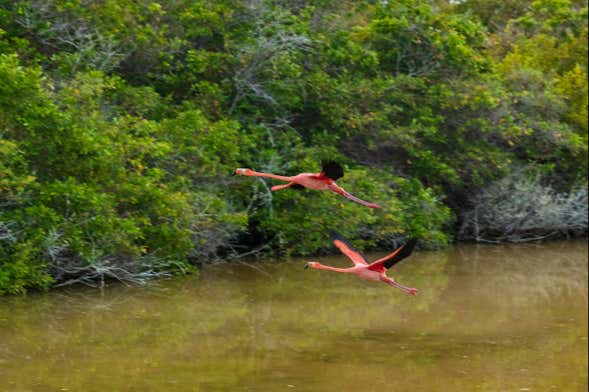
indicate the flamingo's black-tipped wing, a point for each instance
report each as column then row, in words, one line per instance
column 403, row 253
column 333, row 170
column 298, row 187
column 399, row 254
column 344, row 246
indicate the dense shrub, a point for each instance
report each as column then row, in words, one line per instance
column 520, row 208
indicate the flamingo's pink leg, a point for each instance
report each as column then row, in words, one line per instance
column 408, row 290
column 339, row 190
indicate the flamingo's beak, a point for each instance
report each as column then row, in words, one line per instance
column 306, row 266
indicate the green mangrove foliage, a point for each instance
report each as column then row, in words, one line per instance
column 121, row 122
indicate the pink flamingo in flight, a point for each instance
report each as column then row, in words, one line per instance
column 325, row 180
column 375, row 271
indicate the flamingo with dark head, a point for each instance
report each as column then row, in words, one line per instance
column 375, row 271
column 322, row 181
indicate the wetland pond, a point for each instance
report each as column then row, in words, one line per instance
column 487, row 318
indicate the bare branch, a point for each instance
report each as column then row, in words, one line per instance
column 520, row 209
column 87, row 45
column 270, row 41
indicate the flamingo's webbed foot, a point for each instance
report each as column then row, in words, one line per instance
column 243, row 172
column 412, row 291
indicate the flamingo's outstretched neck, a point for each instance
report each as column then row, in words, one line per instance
column 316, row 265
column 250, row 172
column 408, row 290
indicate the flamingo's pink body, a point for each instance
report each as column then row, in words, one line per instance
column 375, row 271
column 315, row 181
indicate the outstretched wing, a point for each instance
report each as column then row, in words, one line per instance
column 342, row 244
column 333, row 170
column 398, row 254
column 339, row 190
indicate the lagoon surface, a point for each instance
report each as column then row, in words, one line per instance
column 487, row 318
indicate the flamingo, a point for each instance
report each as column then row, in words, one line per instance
column 325, row 180
column 374, row 271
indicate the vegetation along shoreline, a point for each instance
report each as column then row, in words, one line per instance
column 122, row 122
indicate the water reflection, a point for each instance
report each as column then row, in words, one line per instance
column 487, row 318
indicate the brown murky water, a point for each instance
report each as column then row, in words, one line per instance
column 488, row 318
